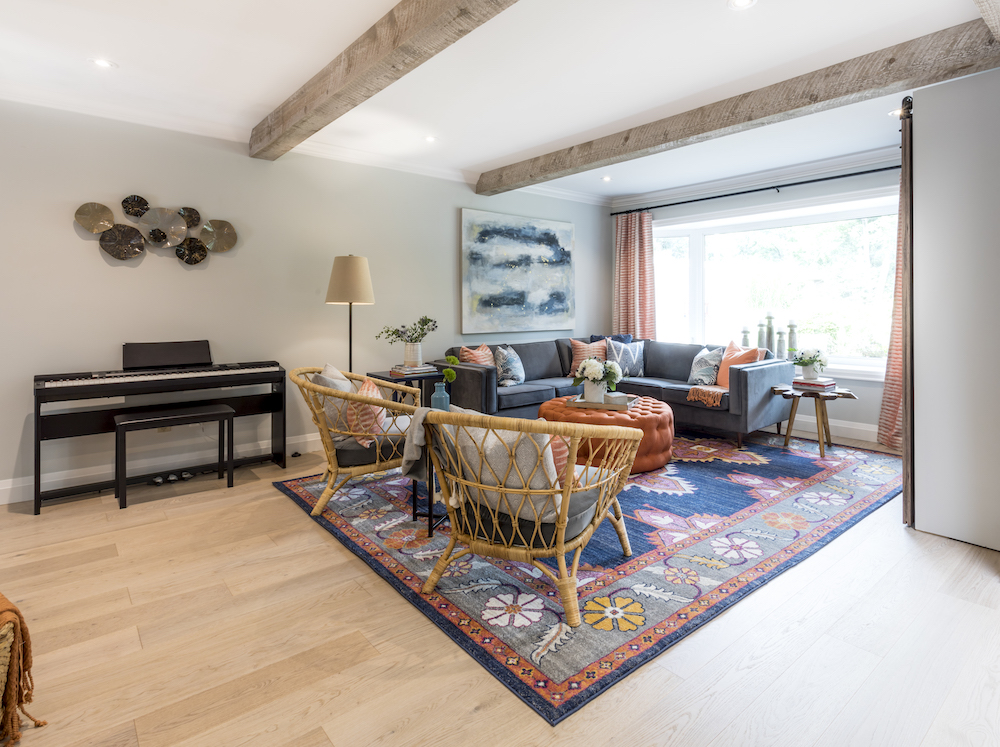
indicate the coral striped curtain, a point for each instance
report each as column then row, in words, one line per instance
column 891, row 428
column 634, row 294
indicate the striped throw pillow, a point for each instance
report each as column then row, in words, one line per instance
column 481, row 355
column 584, row 350
column 366, row 419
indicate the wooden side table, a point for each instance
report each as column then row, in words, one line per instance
column 420, row 381
column 820, row 398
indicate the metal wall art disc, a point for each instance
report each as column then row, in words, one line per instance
column 167, row 221
column 191, row 251
column 95, row 217
column 191, row 216
column 123, row 242
column 219, row 235
column 135, row 206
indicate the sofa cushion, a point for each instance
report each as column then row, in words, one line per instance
column 641, row 386
column 563, row 385
column 628, row 356
column 540, row 359
column 523, row 394
column 670, row 360
column 671, row 392
column 510, row 370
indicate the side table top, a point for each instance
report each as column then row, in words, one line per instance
column 389, row 376
column 788, row 392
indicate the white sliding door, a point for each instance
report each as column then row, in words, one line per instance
column 956, row 309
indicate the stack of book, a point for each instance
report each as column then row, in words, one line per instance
column 821, row 384
column 412, row 370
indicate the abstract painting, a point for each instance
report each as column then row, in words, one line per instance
column 517, row 273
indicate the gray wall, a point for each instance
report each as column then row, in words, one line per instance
column 67, row 306
column 956, row 265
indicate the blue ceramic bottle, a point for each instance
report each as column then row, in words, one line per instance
column 440, row 399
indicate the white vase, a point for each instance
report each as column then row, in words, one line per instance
column 412, row 355
column 809, row 372
column 594, row 391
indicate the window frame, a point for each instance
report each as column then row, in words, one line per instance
column 829, row 209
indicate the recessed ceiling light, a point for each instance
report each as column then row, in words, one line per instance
column 741, row 4
column 104, row 63
column 605, row 178
column 430, row 138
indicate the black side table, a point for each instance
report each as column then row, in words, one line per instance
column 425, row 381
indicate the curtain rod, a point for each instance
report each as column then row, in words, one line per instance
column 758, row 189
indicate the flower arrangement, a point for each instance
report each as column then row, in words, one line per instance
column 414, row 333
column 811, row 357
column 596, row 371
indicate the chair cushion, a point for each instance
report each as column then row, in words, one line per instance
column 481, row 355
column 582, row 506
column 523, row 394
column 352, row 454
column 364, row 418
column 584, row 350
column 510, row 371
column 628, row 355
column 515, row 460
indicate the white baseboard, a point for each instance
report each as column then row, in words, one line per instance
column 20, row 489
column 805, row 427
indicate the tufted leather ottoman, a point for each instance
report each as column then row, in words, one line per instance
column 655, row 418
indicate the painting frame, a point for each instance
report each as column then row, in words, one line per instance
column 518, row 273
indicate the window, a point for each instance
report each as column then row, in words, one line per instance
column 830, row 268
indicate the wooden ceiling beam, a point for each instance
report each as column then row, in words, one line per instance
column 951, row 53
column 990, row 11
column 404, row 38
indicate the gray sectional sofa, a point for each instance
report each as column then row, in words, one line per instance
column 748, row 406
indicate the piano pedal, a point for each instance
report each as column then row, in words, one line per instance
column 186, row 475
column 158, row 480
column 172, row 477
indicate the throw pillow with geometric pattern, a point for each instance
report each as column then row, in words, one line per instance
column 510, row 370
column 628, row 356
column 705, row 368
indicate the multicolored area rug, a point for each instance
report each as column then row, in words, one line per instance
column 706, row 530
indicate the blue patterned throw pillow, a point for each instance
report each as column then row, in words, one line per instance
column 616, row 338
column 705, row 369
column 627, row 355
column 510, row 370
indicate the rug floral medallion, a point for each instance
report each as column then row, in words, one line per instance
column 706, row 530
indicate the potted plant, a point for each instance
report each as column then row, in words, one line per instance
column 812, row 360
column 411, row 337
column 597, row 377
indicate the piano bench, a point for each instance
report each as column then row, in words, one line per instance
column 140, row 421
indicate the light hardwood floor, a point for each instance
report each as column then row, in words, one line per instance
column 202, row 615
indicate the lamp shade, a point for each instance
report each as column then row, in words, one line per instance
column 350, row 281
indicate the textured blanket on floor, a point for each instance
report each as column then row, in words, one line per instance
column 15, row 671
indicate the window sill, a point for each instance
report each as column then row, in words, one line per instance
column 840, row 371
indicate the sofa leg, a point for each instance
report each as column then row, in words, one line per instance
column 739, row 440
column 777, row 427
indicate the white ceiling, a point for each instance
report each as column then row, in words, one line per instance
column 543, row 75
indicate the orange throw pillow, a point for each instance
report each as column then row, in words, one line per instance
column 735, row 354
column 481, row 355
column 363, row 418
column 584, row 350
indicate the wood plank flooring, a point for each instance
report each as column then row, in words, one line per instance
column 202, row 615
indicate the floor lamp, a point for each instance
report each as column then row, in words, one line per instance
column 350, row 283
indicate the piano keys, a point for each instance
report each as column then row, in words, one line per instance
column 158, row 371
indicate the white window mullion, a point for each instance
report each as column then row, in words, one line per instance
column 696, row 287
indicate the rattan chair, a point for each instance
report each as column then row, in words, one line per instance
column 506, row 497
column 344, row 454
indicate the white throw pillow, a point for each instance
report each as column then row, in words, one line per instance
column 332, row 378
